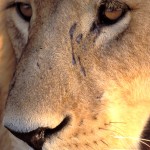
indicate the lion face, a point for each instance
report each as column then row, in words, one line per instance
column 82, row 80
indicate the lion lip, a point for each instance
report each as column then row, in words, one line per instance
column 37, row 138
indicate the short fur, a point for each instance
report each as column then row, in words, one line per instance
column 99, row 79
column 7, row 65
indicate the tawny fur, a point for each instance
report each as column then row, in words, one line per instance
column 106, row 92
column 7, row 65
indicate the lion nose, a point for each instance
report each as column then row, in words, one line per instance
column 37, row 138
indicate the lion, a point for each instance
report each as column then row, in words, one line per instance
column 83, row 74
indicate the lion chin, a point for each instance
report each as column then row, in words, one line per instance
column 75, row 75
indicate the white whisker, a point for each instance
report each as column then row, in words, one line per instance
column 129, row 137
column 143, row 141
column 145, row 144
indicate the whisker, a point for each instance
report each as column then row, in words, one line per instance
column 143, row 141
column 104, row 143
column 113, row 132
column 117, row 122
column 89, row 146
column 146, row 140
column 145, row 144
column 120, row 130
column 109, row 130
column 129, row 137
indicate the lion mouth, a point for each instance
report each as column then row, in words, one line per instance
column 37, row 138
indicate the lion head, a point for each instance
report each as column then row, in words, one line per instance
column 83, row 74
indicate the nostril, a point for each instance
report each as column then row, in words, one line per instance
column 37, row 138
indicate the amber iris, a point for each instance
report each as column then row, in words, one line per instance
column 113, row 15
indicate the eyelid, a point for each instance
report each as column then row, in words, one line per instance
column 10, row 5
column 13, row 4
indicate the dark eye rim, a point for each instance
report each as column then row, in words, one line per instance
column 26, row 18
column 102, row 19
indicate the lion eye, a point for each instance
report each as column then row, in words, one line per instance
column 24, row 10
column 111, row 11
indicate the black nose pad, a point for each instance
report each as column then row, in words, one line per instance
column 37, row 138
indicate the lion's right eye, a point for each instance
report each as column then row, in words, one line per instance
column 24, row 10
column 111, row 11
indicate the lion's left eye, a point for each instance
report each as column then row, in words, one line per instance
column 111, row 11
column 24, row 10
